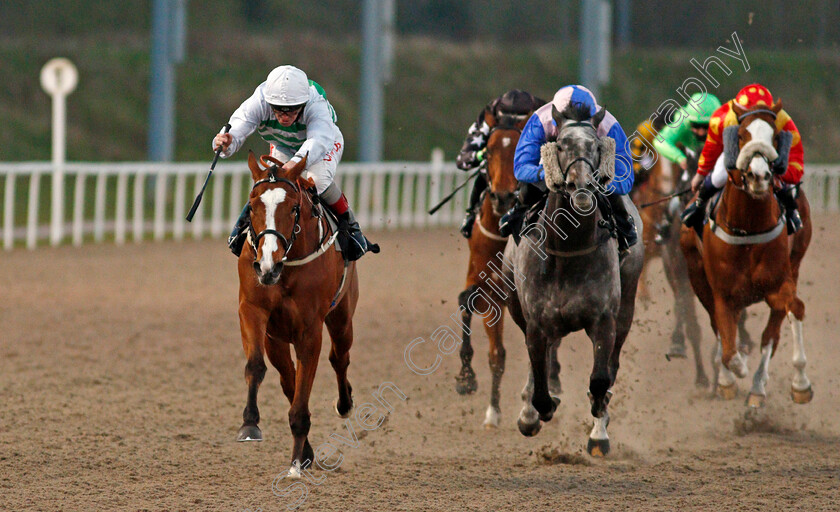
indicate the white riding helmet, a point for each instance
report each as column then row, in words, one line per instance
column 286, row 86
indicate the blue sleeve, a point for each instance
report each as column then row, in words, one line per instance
column 526, row 160
column 623, row 181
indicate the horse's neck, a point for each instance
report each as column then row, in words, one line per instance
column 567, row 229
column 488, row 216
column 741, row 211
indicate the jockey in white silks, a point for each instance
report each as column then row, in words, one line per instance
column 292, row 113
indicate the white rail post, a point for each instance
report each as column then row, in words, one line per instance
column 58, row 78
column 434, row 186
column 9, row 212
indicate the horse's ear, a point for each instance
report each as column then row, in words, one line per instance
column 777, row 107
column 489, row 118
column 256, row 172
column 738, row 109
column 558, row 116
column 598, row 117
column 295, row 172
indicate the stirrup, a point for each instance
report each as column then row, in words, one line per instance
column 467, row 225
column 793, row 221
column 237, row 242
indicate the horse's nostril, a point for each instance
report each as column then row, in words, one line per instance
column 256, row 267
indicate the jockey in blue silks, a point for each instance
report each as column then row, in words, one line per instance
column 528, row 169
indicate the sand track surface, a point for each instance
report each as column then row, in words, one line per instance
column 121, row 376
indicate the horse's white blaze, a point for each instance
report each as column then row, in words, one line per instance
column 599, row 429
column 270, row 198
column 762, row 373
column 800, row 380
column 492, row 416
column 505, row 142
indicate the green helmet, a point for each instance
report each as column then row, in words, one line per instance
column 707, row 103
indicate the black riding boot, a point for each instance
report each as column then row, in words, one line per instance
column 353, row 243
column 624, row 223
column 237, row 237
column 479, row 186
column 511, row 222
column 695, row 212
column 788, row 202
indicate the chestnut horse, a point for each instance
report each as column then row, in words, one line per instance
column 484, row 282
column 745, row 257
column 291, row 282
column 665, row 179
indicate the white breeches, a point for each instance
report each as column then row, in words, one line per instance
column 719, row 175
column 321, row 172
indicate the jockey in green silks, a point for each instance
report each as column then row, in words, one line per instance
column 691, row 133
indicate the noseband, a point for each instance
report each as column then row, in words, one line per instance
column 287, row 243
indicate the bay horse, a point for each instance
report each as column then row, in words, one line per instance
column 744, row 257
column 292, row 281
column 484, row 282
column 574, row 280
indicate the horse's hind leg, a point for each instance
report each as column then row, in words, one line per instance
column 280, row 355
column 554, row 387
column 494, row 328
column 252, row 324
column 465, row 383
column 340, row 328
column 769, row 341
column 800, row 390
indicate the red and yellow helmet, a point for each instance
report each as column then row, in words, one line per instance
column 753, row 96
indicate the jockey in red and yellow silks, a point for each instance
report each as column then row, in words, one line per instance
column 711, row 173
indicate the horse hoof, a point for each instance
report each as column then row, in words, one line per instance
column 598, row 447
column 755, row 401
column 465, row 384
column 677, row 351
column 345, row 414
column 249, row 433
column 491, row 418
column 528, row 429
column 727, row 392
column 294, row 471
column 802, row 397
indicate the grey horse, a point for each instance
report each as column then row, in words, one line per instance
column 568, row 273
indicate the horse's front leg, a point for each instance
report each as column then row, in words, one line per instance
column 726, row 320
column 465, row 383
column 307, row 348
column 554, row 386
column 603, row 336
column 541, row 406
column 252, row 324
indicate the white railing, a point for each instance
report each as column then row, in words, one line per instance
column 141, row 201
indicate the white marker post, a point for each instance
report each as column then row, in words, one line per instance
column 58, row 79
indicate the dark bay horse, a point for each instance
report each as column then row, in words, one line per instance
column 568, row 273
column 292, row 281
column 485, row 289
column 745, row 257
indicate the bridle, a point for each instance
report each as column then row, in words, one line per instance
column 286, row 242
column 565, row 172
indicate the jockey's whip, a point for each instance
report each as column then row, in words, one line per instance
column 666, row 198
column 451, row 195
column 206, row 180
